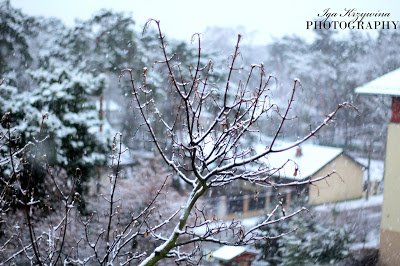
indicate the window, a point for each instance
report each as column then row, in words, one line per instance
column 235, row 205
column 256, row 203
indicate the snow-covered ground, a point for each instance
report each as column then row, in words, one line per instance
column 361, row 216
column 362, row 203
column 371, row 241
column 373, row 201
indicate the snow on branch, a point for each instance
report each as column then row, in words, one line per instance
column 210, row 147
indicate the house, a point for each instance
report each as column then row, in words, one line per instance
column 389, row 244
column 373, row 177
column 302, row 163
column 231, row 255
column 310, row 161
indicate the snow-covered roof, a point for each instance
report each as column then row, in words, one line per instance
column 388, row 84
column 377, row 169
column 227, row 253
column 312, row 159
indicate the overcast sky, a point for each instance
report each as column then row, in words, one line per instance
column 262, row 19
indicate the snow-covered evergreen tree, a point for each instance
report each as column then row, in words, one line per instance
column 59, row 117
column 15, row 29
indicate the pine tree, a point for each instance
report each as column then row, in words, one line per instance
column 59, row 118
column 15, row 28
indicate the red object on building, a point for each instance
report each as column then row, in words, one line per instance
column 395, row 110
column 244, row 259
column 299, row 152
column 233, row 255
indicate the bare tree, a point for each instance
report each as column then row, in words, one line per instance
column 210, row 147
column 204, row 141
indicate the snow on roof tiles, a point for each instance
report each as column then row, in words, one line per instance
column 376, row 171
column 388, row 84
column 226, row 253
column 313, row 158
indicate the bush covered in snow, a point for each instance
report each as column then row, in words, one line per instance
column 309, row 241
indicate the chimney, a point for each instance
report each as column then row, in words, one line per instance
column 299, row 151
column 395, row 110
